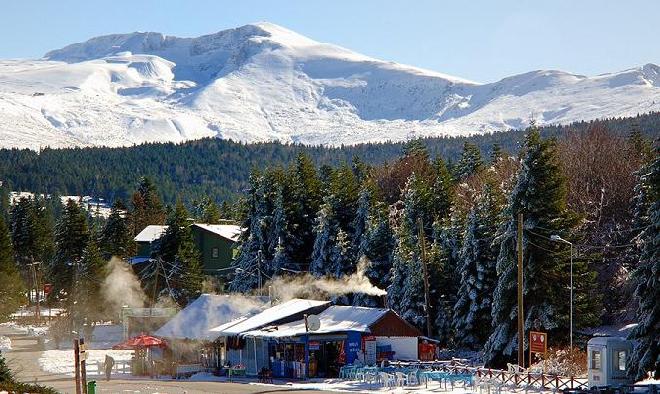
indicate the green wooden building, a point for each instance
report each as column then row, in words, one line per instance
column 216, row 243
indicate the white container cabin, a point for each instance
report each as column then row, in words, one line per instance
column 607, row 358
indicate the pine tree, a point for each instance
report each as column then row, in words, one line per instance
column 359, row 224
column 188, row 276
column 280, row 239
column 406, row 293
column 87, row 293
column 646, row 275
column 478, row 258
column 44, row 229
column 5, row 205
column 12, row 289
column 326, row 233
column 71, row 237
column 496, row 153
column 376, row 246
column 115, row 237
column 470, row 162
column 5, row 373
column 302, row 205
column 443, row 190
column 250, row 257
column 442, row 288
column 540, row 195
column 210, row 212
column 147, row 206
column 23, row 231
column 180, row 257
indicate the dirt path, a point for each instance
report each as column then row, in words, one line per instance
column 23, row 359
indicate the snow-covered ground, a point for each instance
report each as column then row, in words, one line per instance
column 5, row 343
column 61, row 361
column 263, row 82
column 338, row 385
column 31, row 330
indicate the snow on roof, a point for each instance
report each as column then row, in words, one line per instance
column 138, row 260
column 621, row 330
column 150, row 233
column 208, row 311
column 228, row 231
column 270, row 315
column 333, row 319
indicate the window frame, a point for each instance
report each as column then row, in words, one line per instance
column 592, row 360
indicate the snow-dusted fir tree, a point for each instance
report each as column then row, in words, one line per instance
column 478, row 258
column 375, row 250
column 540, row 195
column 280, row 239
column 470, row 162
column 180, row 261
column 250, row 253
column 326, row 233
column 406, row 291
column 303, row 202
column 12, row 288
column 360, row 223
column 115, row 239
column 442, row 288
column 646, row 276
column 71, row 236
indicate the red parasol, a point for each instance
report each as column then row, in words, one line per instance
column 140, row 342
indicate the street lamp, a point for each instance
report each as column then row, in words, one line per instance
column 557, row 238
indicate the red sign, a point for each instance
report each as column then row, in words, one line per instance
column 48, row 288
column 538, row 342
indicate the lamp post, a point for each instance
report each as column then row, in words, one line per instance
column 557, row 238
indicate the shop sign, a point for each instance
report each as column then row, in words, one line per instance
column 370, row 352
column 314, row 345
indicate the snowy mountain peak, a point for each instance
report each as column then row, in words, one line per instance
column 263, row 82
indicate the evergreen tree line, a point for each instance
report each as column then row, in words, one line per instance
column 457, row 222
column 220, row 169
column 43, row 240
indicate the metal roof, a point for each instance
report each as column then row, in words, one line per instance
column 268, row 316
column 333, row 319
column 150, row 233
column 228, row 231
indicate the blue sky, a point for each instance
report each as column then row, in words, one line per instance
column 479, row 40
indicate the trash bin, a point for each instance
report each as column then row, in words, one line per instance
column 91, row 387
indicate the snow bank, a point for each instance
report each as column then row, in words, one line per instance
column 337, row 385
column 62, row 362
column 5, row 344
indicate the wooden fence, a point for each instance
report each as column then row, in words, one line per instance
column 501, row 379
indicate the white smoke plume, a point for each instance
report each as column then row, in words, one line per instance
column 308, row 286
column 121, row 286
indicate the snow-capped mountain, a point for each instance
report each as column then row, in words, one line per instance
column 263, row 82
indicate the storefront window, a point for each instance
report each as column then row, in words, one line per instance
column 595, row 359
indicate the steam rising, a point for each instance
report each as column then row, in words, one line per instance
column 121, row 286
column 311, row 287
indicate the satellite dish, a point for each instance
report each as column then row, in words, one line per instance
column 313, row 323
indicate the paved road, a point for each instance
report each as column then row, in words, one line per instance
column 25, row 353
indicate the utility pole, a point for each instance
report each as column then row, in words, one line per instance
column 521, row 328
column 422, row 246
column 76, row 361
column 83, row 365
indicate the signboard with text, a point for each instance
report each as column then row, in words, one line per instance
column 538, row 342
